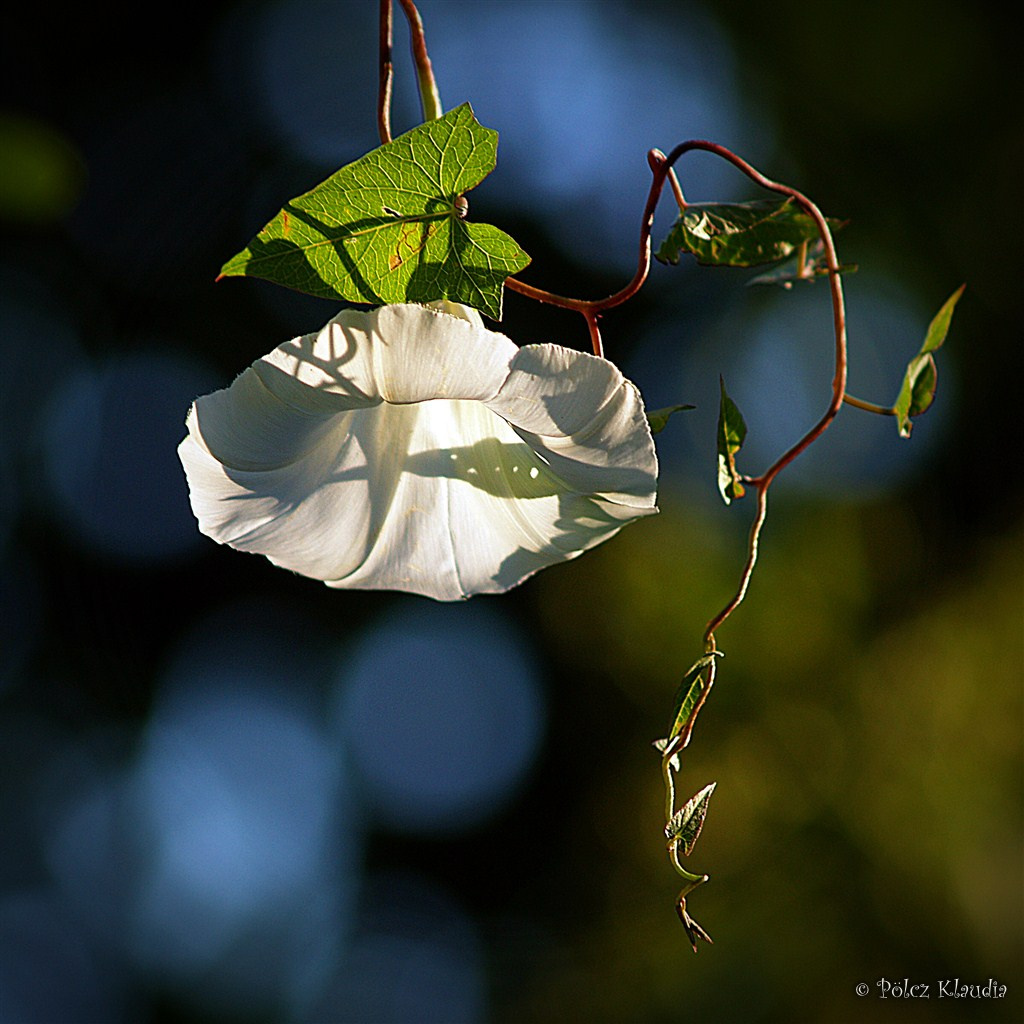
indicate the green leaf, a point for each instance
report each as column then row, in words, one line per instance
column 390, row 227
column 738, row 234
column 917, row 391
column 687, row 822
column 660, row 417
column 807, row 266
column 688, row 695
column 732, row 432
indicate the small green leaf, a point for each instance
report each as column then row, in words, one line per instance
column 939, row 327
column 390, row 227
column 688, row 695
column 738, row 234
column 687, row 822
column 917, row 391
column 732, row 432
column 660, row 417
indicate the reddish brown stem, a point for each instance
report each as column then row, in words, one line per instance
column 835, row 285
column 763, row 482
column 677, row 190
column 748, row 571
column 662, row 170
column 591, row 308
column 385, row 72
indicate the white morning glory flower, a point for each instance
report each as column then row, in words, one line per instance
column 409, row 448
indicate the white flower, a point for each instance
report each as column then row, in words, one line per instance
column 412, row 449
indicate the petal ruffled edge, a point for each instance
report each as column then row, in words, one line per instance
column 576, row 412
column 585, row 419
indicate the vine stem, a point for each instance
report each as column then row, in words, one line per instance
column 741, row 592
column 859, row 403
column 835, row 287
column 592, row 308
column 662, row 170
column 386, row 73
column 670, row 785
column 763, row 482
column 429, row 96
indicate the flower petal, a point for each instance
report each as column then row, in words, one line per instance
column 585, row 419
column 376, row 454
column 397, row 354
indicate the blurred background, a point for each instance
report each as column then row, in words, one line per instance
column 231, row 795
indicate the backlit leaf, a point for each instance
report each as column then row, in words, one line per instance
column 732, row 431
column 738, row 234
column 917, row 391
column 660, row 417
column 688, row 695
column 807, row 265
column 687, row 822
column 390, row 227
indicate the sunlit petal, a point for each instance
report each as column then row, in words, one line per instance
column 411, row 449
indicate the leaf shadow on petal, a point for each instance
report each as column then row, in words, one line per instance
column 502, row 469
column 331, row 432
column 611, row 467
column 302, row 350
column 517, row 472
column 288, row 411
column 340, row 450
column 581, row 524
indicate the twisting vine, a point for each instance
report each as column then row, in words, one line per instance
column 815, row 254
column 369, row 251
column 662, row 170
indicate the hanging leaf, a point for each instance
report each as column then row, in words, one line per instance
column 688, row 695
column 390, row 227
column 806, row 265
column 732, row 431
column 687, row 822
column 660, row 417
column 921, row 378
column 738, row 234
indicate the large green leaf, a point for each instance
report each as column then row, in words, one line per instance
column 732, row 431
column 738, row 234
column 917, row 391
column 390, row 227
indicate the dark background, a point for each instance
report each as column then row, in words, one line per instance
column 232, row 794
